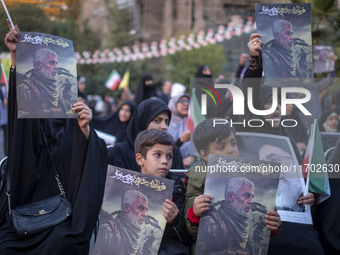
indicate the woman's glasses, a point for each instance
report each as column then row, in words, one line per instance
column 183, row 101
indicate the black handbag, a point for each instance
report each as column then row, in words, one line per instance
column 31, row 219
column 36, row 217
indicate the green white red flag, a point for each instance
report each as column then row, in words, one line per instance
column 3, row 76
column 315, row 167
column 113, row 80
column 195, row 116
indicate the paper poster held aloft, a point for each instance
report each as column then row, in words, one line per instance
column 46, row 76
column 287, row 44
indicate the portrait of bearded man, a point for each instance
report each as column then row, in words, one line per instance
column 285, row 56
column 45, row 90
column 229, row 220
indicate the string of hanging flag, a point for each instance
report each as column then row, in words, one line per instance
column 164, row 47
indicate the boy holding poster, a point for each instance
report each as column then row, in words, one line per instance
column 154, row 151
column 210, row 139
column 241, row 200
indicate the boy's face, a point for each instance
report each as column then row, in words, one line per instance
column 227, row 147
column 158, row 160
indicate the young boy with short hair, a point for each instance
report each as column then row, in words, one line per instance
column 211, row 139
column 154, row 151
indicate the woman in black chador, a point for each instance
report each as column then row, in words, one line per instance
column 79, row 158
column 116, row 123
column 146, row 88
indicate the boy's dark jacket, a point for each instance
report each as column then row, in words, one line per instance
column 177, row 229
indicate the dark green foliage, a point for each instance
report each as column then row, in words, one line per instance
column 31, row 18
column 119, row 27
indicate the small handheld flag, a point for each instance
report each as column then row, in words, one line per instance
column 125, row 81
column 317, row 180
column 113, row 80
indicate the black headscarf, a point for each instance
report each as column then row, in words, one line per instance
column 144, row 114
column 199, row 73
column 324, row 117
column 112, row 125
column 123, row 154
column 145, row 91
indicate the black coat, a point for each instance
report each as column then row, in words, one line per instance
column 177, row 230
column 112, row 125
column 326, row 214
column 144, row 91
column 81, row 165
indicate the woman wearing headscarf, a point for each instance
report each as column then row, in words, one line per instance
column 329, row 121
column 150, row 114
column 179, row 107
column 116, row 123
column 79, row 159
column 145, row 89
column 203, row 71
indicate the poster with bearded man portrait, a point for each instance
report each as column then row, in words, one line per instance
column 243, row 191
column 292, row 186
column 46, row 76
column 286, row 51
column 131, row 220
